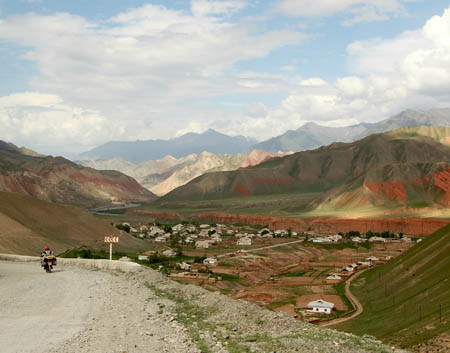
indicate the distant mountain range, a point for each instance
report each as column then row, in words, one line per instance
column 141, row 151
column 306, row 137
column 396, row 168
column 59, row 180
column 311, row 135
column 164, row 175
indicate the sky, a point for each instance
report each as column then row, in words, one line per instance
column 77, row 74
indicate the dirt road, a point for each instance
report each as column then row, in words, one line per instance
column 74, row 310
column 266, row 247
column 355, row 302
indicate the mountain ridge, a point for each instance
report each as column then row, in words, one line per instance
column 178, row 147
column 379, row 169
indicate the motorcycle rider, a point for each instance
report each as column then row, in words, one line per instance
column 46, row 252
column 48, row 261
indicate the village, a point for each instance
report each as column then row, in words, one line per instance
column 301, row 274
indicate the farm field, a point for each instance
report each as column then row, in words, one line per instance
column 286, row 278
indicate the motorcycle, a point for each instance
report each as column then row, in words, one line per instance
column 47, row 262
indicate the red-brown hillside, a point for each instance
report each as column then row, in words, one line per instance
column 395, row 168
column 59, row 180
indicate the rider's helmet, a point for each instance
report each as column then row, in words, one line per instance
column 47, row 248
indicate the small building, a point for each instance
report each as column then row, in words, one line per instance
column 334, row 277
column 210, row 261
column 244, row 241
column 377, row 239
column 203, row 244
column 160, row 239
column 321, row 240
column 143, row 257
column 320, row 306
column 178, row 227
column 204, row 226
column 184, row 266
column 169, row 253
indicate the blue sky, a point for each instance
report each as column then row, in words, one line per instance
column 76, row 74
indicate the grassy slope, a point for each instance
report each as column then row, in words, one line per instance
column 393, row 293
column 28, row 224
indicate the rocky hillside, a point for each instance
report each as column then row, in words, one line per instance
column 27, row 225
column 141, row 151
column 164, row 175
column 311, row 135
column 381, row 169
column 59, row 180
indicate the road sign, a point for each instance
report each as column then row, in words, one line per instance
column 111, row 239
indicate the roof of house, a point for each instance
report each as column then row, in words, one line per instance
column 320, row 304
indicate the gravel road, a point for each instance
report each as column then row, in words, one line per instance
column 76, row 310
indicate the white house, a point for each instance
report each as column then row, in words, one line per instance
column 204, row 233
column 210, row 261
column 184, row 266
column 321, row 240
column 372, row 258
column 154, row 230
column 160, row 239
column 169, row 253
column 178, row 227
column 204, row 226
column 335, row 238
column 320, row 306
column 334, row 277
column 244, row 241
column 374, row 239
column 204, row 244
column 143, row 257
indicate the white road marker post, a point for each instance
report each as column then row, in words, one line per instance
column 111, row 239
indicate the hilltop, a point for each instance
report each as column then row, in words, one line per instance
column 27, row 225
column 403, row 298
column 59, row 180
column 384, row 170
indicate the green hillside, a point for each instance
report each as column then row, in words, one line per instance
column 402, row 299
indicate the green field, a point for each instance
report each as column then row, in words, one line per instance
column 407, row 301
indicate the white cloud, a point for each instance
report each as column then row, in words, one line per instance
column 146, row 68
column 313, row 81
column 43, row 120
column 208, row 7
column 361, row 10
column 409, row 71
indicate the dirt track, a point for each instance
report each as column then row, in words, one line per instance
column 74, row 310
column 354, row 301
